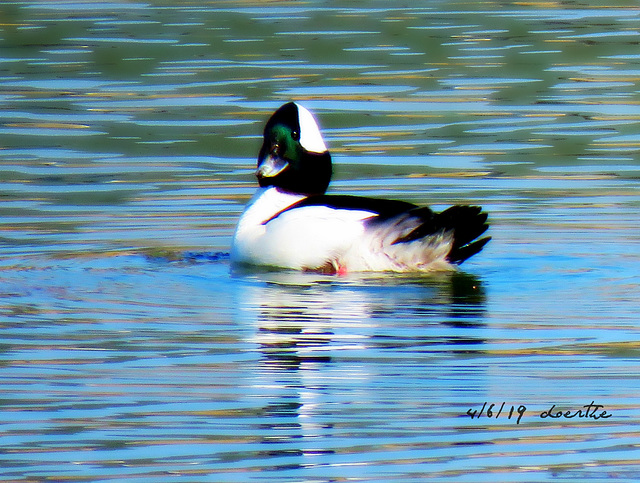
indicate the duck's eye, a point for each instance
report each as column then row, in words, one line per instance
column 295, row 135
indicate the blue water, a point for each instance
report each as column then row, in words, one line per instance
column 130, row 351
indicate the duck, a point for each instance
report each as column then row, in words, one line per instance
column 292, row 223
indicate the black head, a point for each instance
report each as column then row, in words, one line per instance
column 293, row 155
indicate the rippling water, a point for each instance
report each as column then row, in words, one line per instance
column 130, row 352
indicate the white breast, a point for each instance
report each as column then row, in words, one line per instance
column 302, row 238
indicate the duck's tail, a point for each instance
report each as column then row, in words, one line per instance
column 467, row 223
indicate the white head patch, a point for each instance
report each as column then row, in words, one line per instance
column 310, row 137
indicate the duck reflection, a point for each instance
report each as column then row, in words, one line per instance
column 327, row 345
column 308, row 318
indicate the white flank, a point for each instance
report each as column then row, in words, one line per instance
column 376, row 252
column 310, row 137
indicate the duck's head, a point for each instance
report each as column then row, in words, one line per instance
column 293, row 156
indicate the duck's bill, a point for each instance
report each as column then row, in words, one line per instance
column 271, row 166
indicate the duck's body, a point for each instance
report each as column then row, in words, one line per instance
column 290, row 222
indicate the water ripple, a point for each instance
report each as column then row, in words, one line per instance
column 131, row 351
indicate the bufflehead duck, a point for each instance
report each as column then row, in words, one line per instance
column 291, row 223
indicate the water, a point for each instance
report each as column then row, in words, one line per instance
column 130, row 352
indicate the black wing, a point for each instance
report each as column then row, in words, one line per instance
column 385, row 209
column 466, row 223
